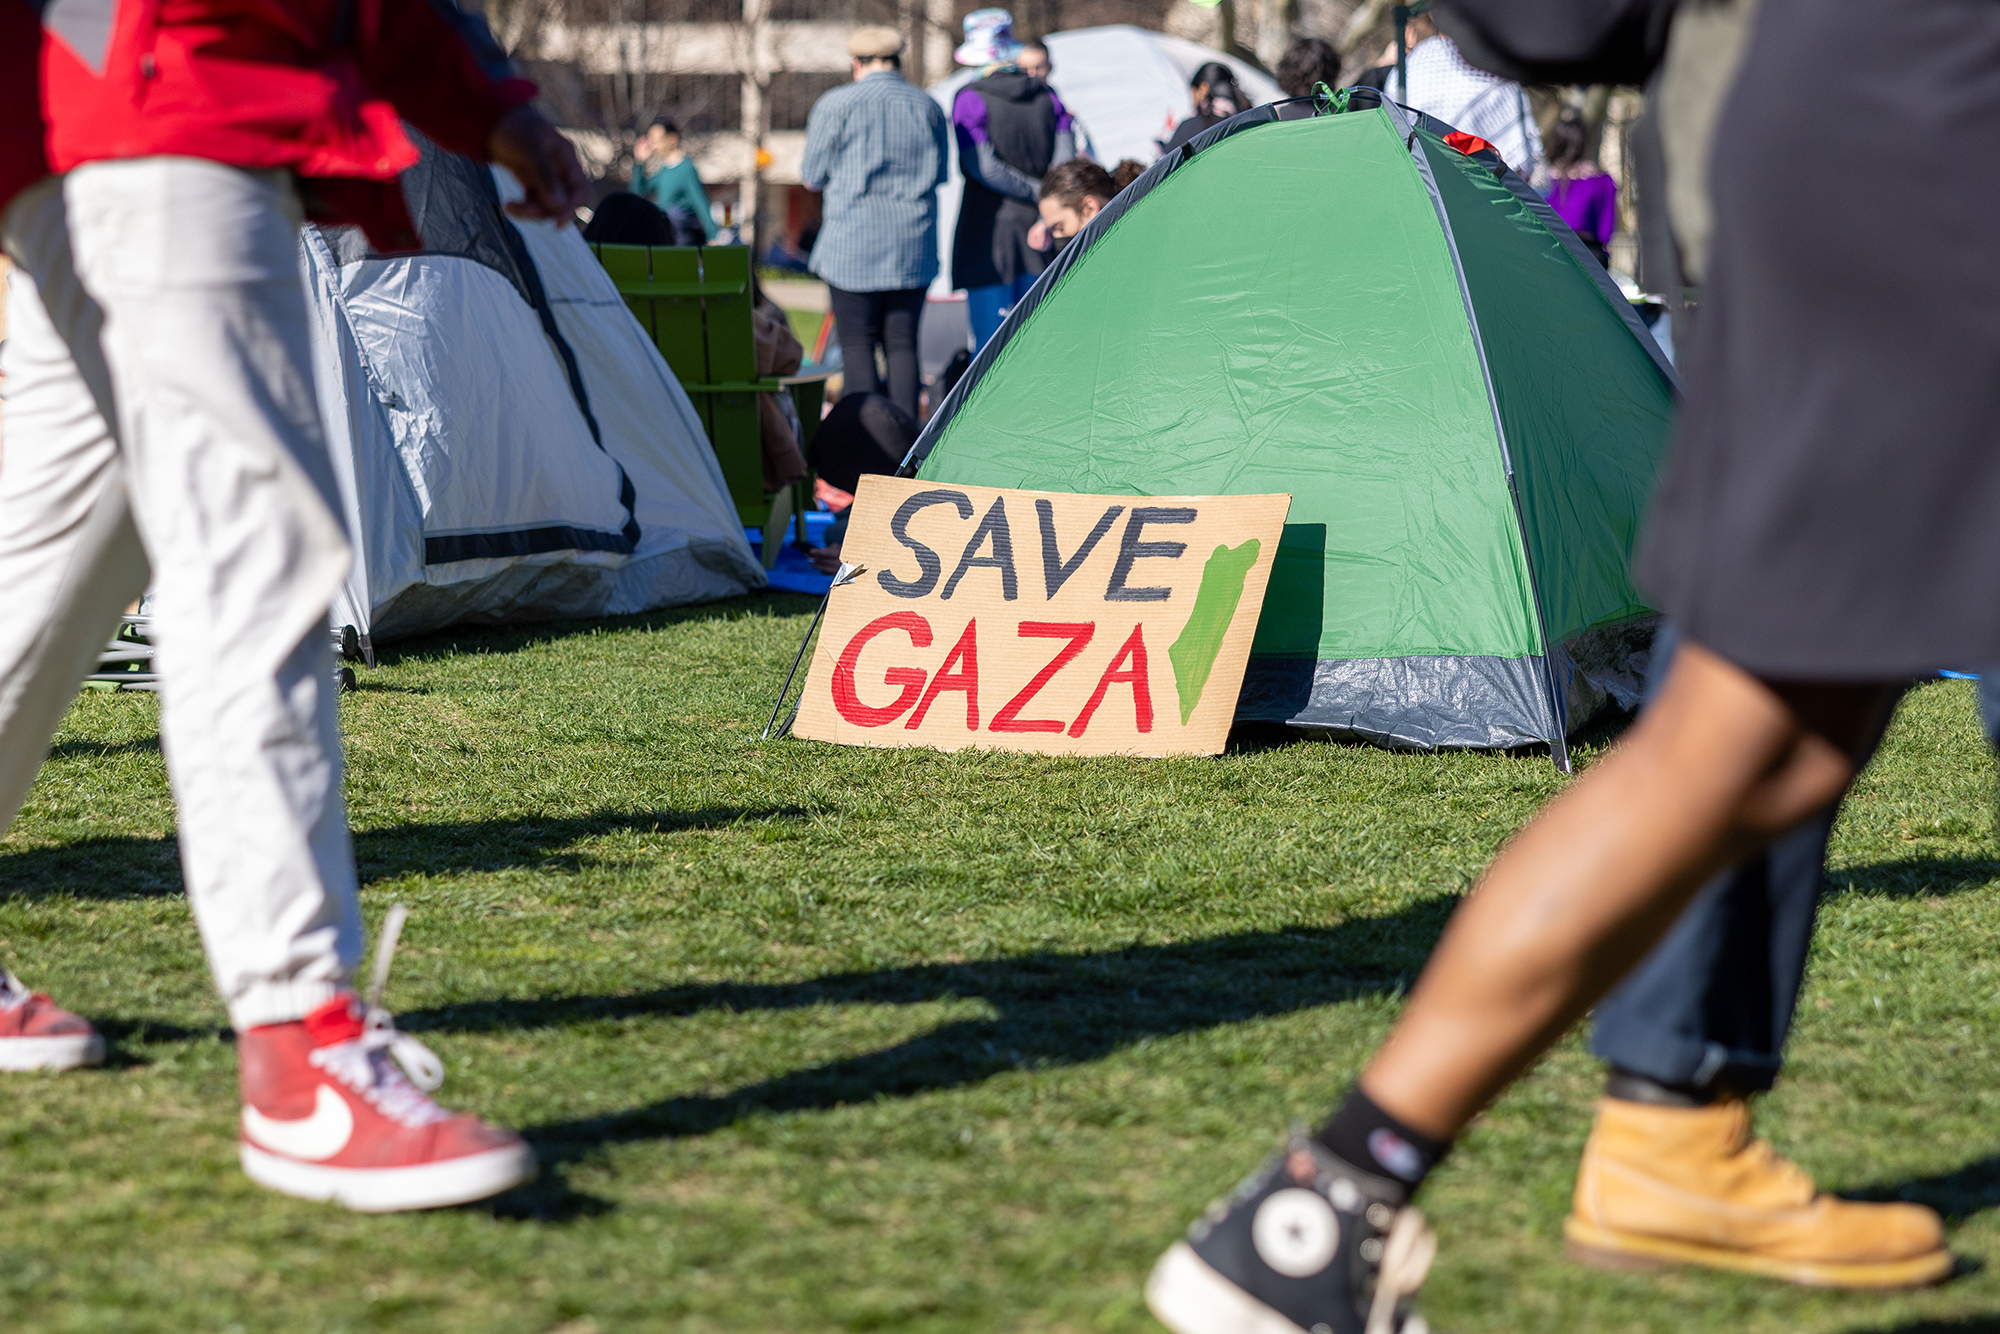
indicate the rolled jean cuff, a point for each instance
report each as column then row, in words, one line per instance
column 1679, row 1061
column 281, row 1002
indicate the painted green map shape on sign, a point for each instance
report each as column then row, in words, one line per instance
column 1193, row 654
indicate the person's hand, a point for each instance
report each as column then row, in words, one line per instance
column 1038, row 236
column 825, row 559
column 544, row 162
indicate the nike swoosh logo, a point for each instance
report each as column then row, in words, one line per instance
column 311, row 1139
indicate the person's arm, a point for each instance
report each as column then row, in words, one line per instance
column 976, row 157
column 1605, row 219
column 693, row 196
column 941, row 141
column 822, row 135
column 1065, row 148
column 443, row 71
column 446, row 75
column 984, row 165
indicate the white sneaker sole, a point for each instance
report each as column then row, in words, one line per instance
column 383, row 1190
column 1189, row 1297
column 68, row 1053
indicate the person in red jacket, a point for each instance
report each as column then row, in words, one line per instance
column 162, row 430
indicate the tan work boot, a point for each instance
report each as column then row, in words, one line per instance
column 1687, row 1185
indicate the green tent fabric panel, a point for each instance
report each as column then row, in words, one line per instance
column 1280, row 314
column 1586, row 413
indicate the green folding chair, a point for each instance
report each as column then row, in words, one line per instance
column 694, row 303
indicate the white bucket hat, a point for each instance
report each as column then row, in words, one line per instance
column 989, row 38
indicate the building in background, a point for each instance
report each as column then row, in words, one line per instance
column 740, row 76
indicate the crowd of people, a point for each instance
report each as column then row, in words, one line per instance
column 1819, row 539
column 878, row 150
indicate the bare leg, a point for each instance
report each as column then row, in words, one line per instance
column 1721, row 764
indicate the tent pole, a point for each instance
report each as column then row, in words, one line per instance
column 1401, row 14
column 846, row 574
column 1559, row 738
column 786, row 689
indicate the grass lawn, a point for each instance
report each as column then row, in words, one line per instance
column 816, row 1038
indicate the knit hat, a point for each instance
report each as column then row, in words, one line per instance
column 989, row 38
column 875, row 43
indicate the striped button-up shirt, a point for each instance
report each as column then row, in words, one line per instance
column 1444, row 84
column 877, row 148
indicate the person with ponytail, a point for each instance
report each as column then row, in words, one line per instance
column 1216, row 98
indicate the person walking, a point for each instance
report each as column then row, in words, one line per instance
column 1011, row 128
column 1671, row 1171
column 665, row 174
column 1819, row 537
column 162, row 426
column 877, row 150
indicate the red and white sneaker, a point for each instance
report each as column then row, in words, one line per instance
column 327, row 1115
column 37, row 1034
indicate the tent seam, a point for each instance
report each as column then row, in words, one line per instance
column 1559, row 742
column 1537, row 206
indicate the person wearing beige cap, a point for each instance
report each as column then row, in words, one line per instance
column 875, row 43
column 876, row 149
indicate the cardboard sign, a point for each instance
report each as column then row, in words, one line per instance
column 1034, row 620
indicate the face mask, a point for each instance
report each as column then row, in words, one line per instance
column 1035, row 85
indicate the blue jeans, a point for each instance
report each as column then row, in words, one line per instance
column 987, row 307
column 1712, row 1004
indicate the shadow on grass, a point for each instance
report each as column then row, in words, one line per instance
column 1915, row 877
column 132, row 868
column 1957, row 1195
column 466, row 640
column 120, row 1035
column 1972, row 1324
column 538, row 843
column 69, row 750
column 1053, row 1010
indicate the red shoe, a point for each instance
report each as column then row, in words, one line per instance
column 328, row 1116
column 36, row 1034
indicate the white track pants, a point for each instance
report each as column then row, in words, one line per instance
column 160, row 415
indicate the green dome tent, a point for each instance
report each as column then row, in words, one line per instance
column 1466, row 411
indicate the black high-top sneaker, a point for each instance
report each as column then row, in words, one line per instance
column 1309, row 1245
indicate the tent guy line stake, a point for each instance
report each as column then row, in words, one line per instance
column 845, row 575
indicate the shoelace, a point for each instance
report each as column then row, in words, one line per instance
column 13, row 991
column 1406, row 1262
column 1776, row 1164
column 363, row 1064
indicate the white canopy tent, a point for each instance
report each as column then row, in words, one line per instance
column 1127, row 88
column 509, row 443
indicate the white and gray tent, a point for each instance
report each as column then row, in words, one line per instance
column 509, row 443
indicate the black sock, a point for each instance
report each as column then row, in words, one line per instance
column 1626, row 1086
column 1374, row 1141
